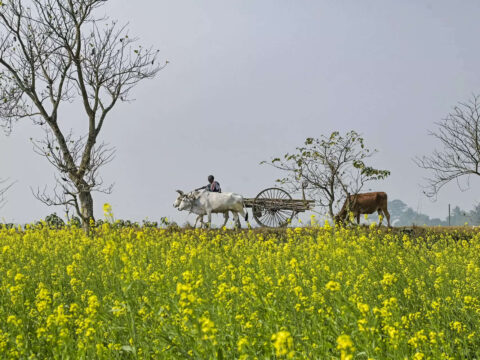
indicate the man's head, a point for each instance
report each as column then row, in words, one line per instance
column 210, row 178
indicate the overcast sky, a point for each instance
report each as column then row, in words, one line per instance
column 248, row 80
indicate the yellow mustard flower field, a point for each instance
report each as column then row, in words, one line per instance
column 303, row 293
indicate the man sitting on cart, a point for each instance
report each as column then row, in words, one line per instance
column 213, row 185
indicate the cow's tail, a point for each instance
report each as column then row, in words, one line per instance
column 245, row 209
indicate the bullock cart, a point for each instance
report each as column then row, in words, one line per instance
column 274, row 207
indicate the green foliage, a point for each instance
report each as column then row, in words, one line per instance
column 149, row 224
column 54, row 221
column 76, row 222
column 370, row 172
column 333, row 150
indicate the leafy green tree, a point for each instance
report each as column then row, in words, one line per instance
column 328, row 168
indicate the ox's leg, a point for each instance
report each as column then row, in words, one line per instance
column 209, row 224
column 225, row 216
column 358, row 218
column 236, row 219
column 387, row 214
column 380, row 215
column 199, row 217
column 204, row 224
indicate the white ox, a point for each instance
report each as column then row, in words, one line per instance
column 205, row 203
column 199, row 212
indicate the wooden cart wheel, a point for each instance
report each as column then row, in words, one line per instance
column 268, row 208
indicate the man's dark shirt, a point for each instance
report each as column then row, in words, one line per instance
column 214, row 187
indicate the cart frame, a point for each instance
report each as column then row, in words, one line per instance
column 274, row 207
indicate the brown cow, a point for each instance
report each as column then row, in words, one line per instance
column 366, row 203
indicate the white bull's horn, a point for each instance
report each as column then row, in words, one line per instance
column 179, row 191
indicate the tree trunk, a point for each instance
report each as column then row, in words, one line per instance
column 330, row 211
column 86, row 208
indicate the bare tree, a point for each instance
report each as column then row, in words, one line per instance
column 64, row 192
column 459, row 157
column 328, row 168
column 5, row 185
column 55, row 52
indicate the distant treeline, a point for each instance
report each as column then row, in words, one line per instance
column 402, row 215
